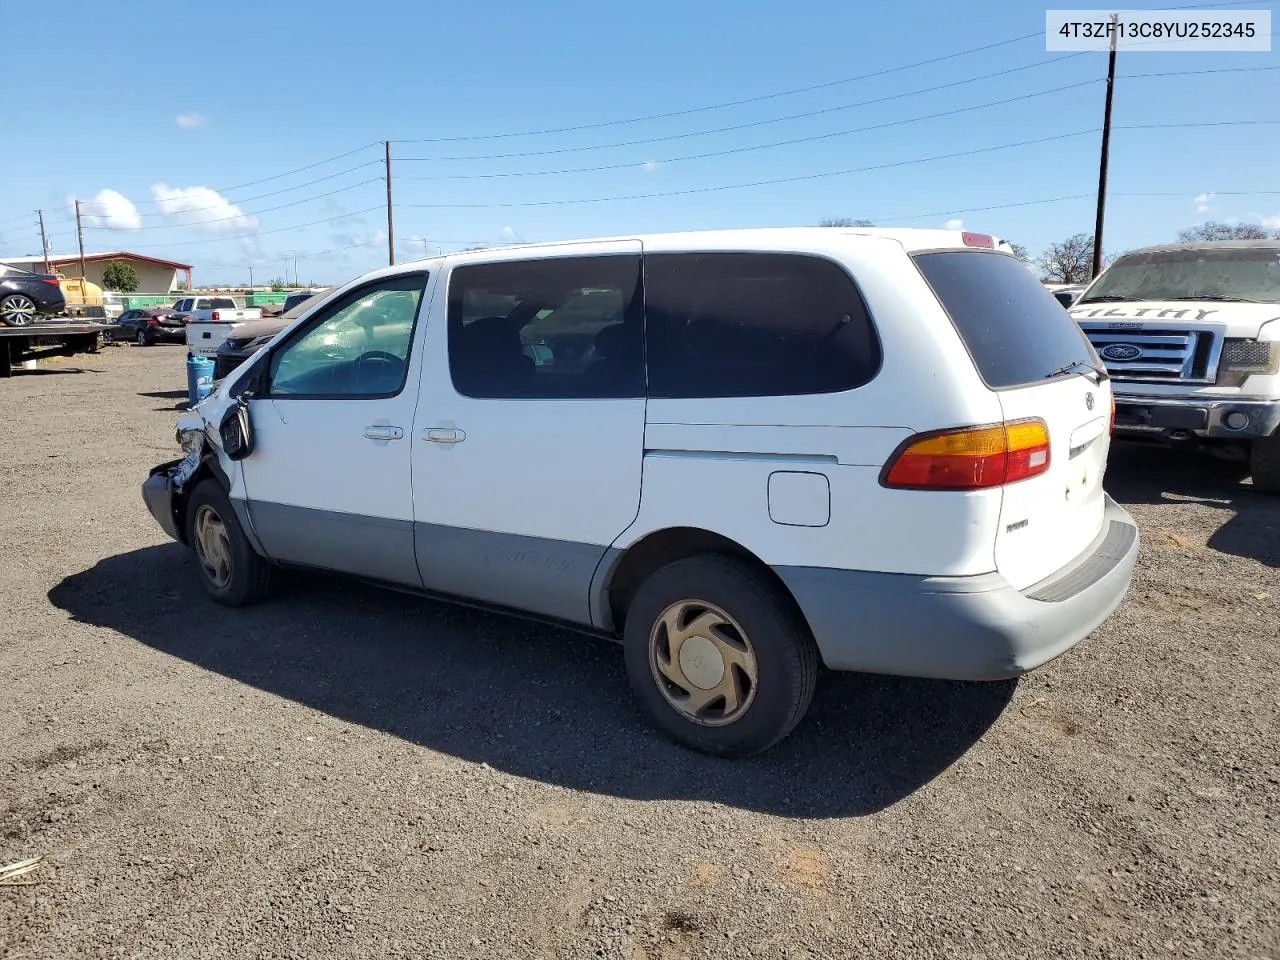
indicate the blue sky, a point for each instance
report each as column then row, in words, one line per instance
column 179, row 109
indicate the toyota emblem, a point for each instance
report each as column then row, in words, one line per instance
column 1088, row 400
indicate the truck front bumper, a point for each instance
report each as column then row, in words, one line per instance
column 1177, row 418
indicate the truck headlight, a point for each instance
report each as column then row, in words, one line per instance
column 1243, row 358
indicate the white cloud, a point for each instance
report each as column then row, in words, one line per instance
column 201, row 209
column 953, row 225
column 1204, row 202
column 650, row 165
column 189, row 121
column 109, row 210
column 1270, row 223
column 510, row 235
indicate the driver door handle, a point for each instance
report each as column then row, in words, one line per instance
column 445, row 435
column 383, row 433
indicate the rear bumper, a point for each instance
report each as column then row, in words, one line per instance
column 1175, row 418
column 964, row 628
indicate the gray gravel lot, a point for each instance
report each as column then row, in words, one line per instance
column 344, row 772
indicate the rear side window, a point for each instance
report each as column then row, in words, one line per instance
column 223, row 303
column 754, row 325
column 562, row 328
column 1014, row 329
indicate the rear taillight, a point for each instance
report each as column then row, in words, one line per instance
column 215, row 316
column 52, row 281
column 970, row 458
column 153, row 321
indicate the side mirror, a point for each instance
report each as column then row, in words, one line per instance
column 236, row 429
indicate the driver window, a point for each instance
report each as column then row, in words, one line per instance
column 359, row 347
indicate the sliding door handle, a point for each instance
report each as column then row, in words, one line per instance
column 445, row 435
column 383, row 433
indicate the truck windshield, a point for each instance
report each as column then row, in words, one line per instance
column 1248, row 274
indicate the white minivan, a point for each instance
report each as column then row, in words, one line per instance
column 742, row 454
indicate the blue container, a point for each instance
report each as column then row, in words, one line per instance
column 199, row 379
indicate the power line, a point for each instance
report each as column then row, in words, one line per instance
column 262, row 233
column 237, row 201
column 818, row 176
column 245, row 214
column 786, row 93
column 758, row 123
column 766, row 146
column 756, row 183
column 729, row 103
column 310, row 166
column 753, row 123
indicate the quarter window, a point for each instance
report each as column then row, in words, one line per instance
column 563, row 328
column 359, row 347
column 754, row 325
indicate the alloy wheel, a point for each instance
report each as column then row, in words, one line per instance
column 18, row 310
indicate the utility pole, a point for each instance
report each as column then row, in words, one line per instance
column 391, row 230
column 295, row 271
column 251, row 276
column 1106, row 150
column 44, row 241
column 80, row 233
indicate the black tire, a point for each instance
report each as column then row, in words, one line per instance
column 1264, row 460
column 18, row 310
column 144, row 339
column 249, row 577
column 785, row 656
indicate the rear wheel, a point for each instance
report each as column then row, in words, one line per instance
column 18, row 310
column 1264, row 458
column 232, row 571
column 143, row 338
column 718, row 656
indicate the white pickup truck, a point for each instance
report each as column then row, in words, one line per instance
column 209, row 321
column 1190, row 334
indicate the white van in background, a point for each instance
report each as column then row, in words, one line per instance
column 741, row 454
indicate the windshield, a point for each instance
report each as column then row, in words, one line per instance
column 1204, row 274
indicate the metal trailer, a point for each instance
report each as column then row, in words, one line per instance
column 47, row 339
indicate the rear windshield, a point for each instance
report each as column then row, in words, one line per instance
column 1249, row 273
column 1016, row 332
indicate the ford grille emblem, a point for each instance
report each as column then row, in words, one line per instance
column 1120, row 351
column 1088, row 400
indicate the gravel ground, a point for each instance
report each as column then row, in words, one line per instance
column 344, row 772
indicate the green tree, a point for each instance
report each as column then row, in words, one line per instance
column 844, row 222
column 120, row 277
column 1214, row 230
column 277, row 284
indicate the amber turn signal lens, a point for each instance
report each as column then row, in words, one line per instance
column 971, row 458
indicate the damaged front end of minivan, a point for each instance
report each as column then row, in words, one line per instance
column 216, row 429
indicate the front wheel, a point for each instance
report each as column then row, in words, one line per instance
column 1264, row 461
column 718, row 656
column 232, row 571
column 18, row 310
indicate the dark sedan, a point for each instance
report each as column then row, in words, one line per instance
column 26, row 296
column 150, row 326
